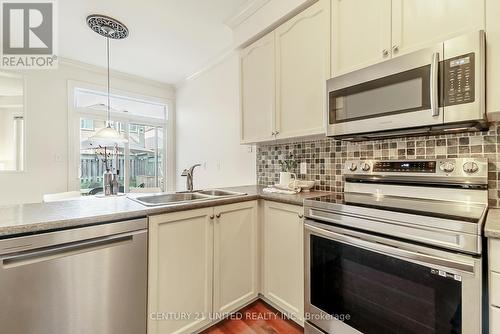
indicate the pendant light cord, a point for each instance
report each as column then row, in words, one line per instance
column 109, row 106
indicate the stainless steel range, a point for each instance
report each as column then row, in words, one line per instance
column 399, row 251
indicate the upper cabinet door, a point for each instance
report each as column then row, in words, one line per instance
column 302, row 68
column 257, row 90
column 418, row 23
column 361, row 33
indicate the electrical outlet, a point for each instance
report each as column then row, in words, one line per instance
column 303, row 168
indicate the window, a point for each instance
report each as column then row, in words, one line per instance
column 141, row 162
column 146, row 156
column 87, row 124
column 12, row 119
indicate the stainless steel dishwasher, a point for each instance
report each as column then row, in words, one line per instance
column 76, row 281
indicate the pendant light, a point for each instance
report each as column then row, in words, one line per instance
column 109, row 28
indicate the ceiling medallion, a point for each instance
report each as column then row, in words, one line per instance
column 107, row 26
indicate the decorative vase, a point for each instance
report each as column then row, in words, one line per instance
column 286, row 178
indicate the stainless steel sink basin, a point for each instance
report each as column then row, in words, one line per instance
column 184, row 197
column 219, row 193
column 164, row 199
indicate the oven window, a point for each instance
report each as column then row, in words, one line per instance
column 381, row 294
column 403, row 92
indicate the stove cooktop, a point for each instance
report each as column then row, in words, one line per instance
column 451, row 210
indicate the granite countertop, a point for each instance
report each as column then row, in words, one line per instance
column 492, row 226
column 31, row 218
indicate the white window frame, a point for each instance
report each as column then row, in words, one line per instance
column 75, row 114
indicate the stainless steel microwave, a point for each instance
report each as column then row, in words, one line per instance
column 436, row 89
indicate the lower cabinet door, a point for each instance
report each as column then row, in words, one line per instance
column 284, row 258
column 180, row 271
column 494, row 320
column 235, row 256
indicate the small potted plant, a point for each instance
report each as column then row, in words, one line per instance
column 288, row 164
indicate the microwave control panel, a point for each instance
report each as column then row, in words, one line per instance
column 458, row 80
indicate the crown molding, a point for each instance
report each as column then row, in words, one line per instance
column 244, row 12
column 208, row 66
column 115, row 74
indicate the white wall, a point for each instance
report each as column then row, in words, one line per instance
column 207, row 129
column 46, row 167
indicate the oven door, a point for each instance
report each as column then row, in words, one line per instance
column 361, row 283
column 399, row 93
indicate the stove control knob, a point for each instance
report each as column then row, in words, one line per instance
column 470, row 167
column 447, row 167
column 352, row 167
column 365, row 167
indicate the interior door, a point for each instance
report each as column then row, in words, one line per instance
column 361, row 34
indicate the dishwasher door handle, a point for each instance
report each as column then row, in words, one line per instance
column 59, row 251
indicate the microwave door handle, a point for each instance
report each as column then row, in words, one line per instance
column 434, row 89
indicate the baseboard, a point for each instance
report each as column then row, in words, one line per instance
column 280, row 310
column 220, row 320
column 259, row 297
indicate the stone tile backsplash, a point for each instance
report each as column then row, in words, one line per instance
column 325, row 157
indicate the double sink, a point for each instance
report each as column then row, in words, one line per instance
column 184, row 197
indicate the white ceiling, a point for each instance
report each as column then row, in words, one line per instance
column 169, row 39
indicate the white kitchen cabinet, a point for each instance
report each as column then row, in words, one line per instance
column 367, row 32
column 361, row 33
column 257, row 75
column 418, row 23
column 493, row 59
column 494, row 284
column 180, row 270
column 283, row 257
column 302, row 68
column 282, row 78
column 494, row 320
column 235, row 256
column 201, row 262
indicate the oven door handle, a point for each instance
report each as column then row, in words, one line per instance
column 393, row 251
column 434, row 89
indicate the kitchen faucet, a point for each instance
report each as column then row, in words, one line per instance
column 189, row 174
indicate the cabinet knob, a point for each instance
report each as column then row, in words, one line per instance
column 300, row 215
column 385, row 52
column 212, row 217
column 277, row 133
column 273, row 133
column 218, row 215
column 395, row 48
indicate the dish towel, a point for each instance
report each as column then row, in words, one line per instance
column 280, row 191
